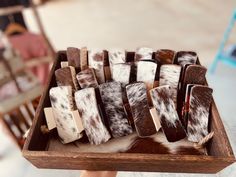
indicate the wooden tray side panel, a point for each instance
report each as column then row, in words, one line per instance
column 130, row 162
column 219, row 145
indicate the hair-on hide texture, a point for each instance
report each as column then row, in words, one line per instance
column 198, row 116
column 96, row 61
column 111, row 95
column 137, row 97
column 87, row 78
column 170, row 122
column 87, row 106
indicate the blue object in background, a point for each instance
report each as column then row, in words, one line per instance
column 222, row 55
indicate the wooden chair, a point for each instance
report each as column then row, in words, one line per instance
column 19, row 119
column 17, row 113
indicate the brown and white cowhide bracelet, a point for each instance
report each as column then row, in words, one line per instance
column 121, row 73
column 116, row 56
column 165, row 56
column 111, row 94
column 68, row 124
column 87, row 106
column 86, row 78
column 198, row 116
column 170, row 75
column 137, row 98
column 193, row 74
column 66, row 77
column 146, row 72
column 185, row 57
column 73, row 56
column 143, row 53
column 96, row 61
column 170, row 122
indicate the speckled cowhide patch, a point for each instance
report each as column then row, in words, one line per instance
column 143, row 53
column 87, row 106
column 137, row 98
column 66, row 77
column 186, row 57
column 146, row 72
column 86, row 78
column 116, row 56
column 96, row 61
column 170, row 122
column 62, row 105
column 73, row 56
column 121, row 73
column 198, row 116
column 170, row 75
column 111, row 94
column 61, row 98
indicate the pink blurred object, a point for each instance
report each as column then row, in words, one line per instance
column 25, row 82
column 30, row 46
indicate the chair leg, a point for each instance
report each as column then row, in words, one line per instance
column 22, row 118
column 10, row 132
column 31, row 115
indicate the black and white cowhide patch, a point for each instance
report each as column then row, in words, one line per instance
column 111, row 94
column 61, row 98
column 62, row 106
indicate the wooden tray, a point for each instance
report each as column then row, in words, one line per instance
column 44, row 151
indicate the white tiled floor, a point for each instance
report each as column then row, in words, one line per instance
column 179, row 25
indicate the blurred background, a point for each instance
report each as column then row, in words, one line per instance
column 31, row 33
